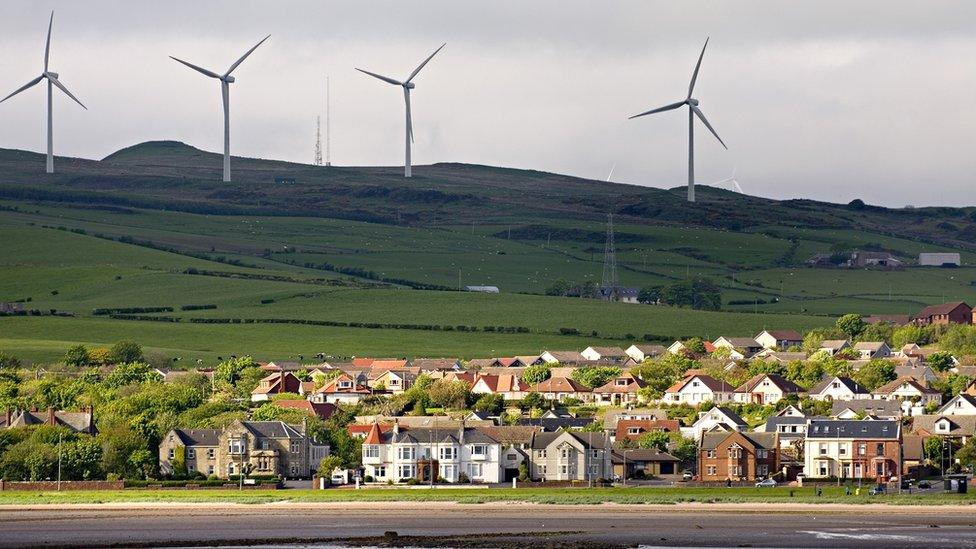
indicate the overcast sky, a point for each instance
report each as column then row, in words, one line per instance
column 827, row 100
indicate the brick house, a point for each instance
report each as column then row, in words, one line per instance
column 276, row 383
column 263, row 447
column 954, row 312
column 633, row 429
column 735, row 455
column 853, row 449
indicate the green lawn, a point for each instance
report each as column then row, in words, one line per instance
column 580, row 496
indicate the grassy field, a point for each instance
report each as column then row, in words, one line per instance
column 572, row 496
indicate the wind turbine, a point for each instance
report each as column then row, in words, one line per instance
column 732, row 181
column 614, row 167
column 52, row 80
column 693, row 111
column 225, row 81
column 407, row 86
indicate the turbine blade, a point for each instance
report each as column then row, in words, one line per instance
column 417, row 70
column 65, row 90
column 381, row 77
column 24, row 87
column 201, row 70
column 694, row 76
column 611, row 171
column 698, row 112
column 670, row 107
column 406, row 99
column 737, row 186
column 243, row 57
column 47, row 47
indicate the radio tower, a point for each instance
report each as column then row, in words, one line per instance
column 318, row 141
column 610, row 287
column 328, row 125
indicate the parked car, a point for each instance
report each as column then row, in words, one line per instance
column 767, row 483
column 878, row 490
column 687, row 475
column 925, row 484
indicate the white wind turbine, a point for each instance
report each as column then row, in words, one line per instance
column 732, row 181
column 693, row 111
column 407, row 86
column 225, row 81
column 52, row 80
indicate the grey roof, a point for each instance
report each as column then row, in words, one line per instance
column 743, row 342
column 870, row 406
column 198, row 437
column 854, row 428
column 733, row 417
column 852, row 385
column 588, row 440
column 420, row 435
column 557, row 423
column 272, row 429
column 712, row 439
column 921, row 372
column 641, row 454
column 958, row 425
column 76, row 421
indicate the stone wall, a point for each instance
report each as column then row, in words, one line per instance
column 51, row 485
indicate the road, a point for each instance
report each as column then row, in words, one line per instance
column 497, row 525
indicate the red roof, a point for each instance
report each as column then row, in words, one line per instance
column 322, row 410
column 645, row 425
column 944, row 309
column 374, row 435
column 559, row 385
column 333, row 386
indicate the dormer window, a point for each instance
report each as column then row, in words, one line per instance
column 621, row 382
column 633, row 430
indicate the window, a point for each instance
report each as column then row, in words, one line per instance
column 879, row 469
column 231, row 468
column 294, row 470
column 479, row 450
column 564, row 470
column 712, row 470
column 596, row 454
column 172, row 453
column 542, row 454
column 263, row 444
column 762, row 453
column 633, row 430
column 823, row 448
column 211, row 453
column 621, row 382
column 296, row 446
column 879, row 448
column 943, row 426
column 710, row 454
column 735, row 470
column 824, row 470
column 405, row 471
column 542, row 470
column 511, row 457
column 449, row 453
column 235, row 446
column 762, row 470
column 735, row 452
column 862, row 449
column 371, row 451
column 405, row 453
column 379, row 471
column 191, row 453
column 475, row 470
column 842, row 450
column 210, row 469
column 564, row 452
column 345, row 384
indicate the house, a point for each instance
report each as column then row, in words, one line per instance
column 515, row 443
column 697, row 389
column 910, row 350
column 853, row 449
column 426, row 454
column 915, row 369
column 858, row 409
column 620, row 391
column 507, row 385
column 834, row 346
column 912, row 454
column 679, row 348
column 862, row 258
column 737, row 456
column 643, row 463
column 745, row 346
column 608, row 354
column 563, row 357
column 426, row 365
column 716, row 419
column 960, row 428
column 634, row 429
column 959, row 405
column 833, row 388
column 939, row 259
column 640, row 353
column 612, row 417
column 343, row 389
column 908, row 389
column 789, row 428
column 259, row 447
column 561, row 388
column 321, row 410
column 393, row 381
column 780, row 357
column 552, row 424
column 569, row 455
column 275, row 384
column 766, row 389
column 872, row 349
column 954, row 312
column 779, row 339
column 482, row 289
column 79, row 422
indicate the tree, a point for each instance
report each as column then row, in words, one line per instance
column 967, row 454
column 940, row 361
column 533, row 400
column 649, row 294
column 77, row 356
column 491, row 403
column 959, row 339
column 560, row 287
column 874, row 374
column 536, row 374
column 595, row 376
column 450, row 394
column 98, row 356
column 882, row 331
column 8, row 362
column 685, row 449
column 654, row 439
column 328, row 464
column 128, row 372
column 851, row 324
column 661, row 374
column 179, row 463
column 125, row 351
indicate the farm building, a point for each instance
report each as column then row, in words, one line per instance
column 938, row 259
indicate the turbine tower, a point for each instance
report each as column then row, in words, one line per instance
column 328, row 124
column 52, row 81
column 693, row 111
column 225, row 81
column 407, row 86
column 318, row 141
column 610, row 285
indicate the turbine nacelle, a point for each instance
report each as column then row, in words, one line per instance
column 409, row 85
column 49, row 74
column 692, row 102
column 228, row 78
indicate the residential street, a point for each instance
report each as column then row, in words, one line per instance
column 575, row 526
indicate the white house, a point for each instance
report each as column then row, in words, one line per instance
column 742, row 347
column 341, row 390
column 766, row 389
column 959, row 405
column 562, row 357
column 908, row 389
column 853, row 449
column 640, row 353
column 697, row 389
column 717, row 418
column 507, row 385
column 779, row 339
column 834, row 346
column 400, row 454
column 833, row 388
column 872, row 349
column 612, row 354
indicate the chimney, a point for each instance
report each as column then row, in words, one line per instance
column 461, row 432
column 91, row 419
column 51, row 419
column 396, row 427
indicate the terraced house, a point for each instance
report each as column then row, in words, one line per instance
column 853, row 449
column 257, row 447
column 453, row 454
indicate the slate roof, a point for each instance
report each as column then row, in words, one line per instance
column 784, row 335
column 879, row 429
column 76, row 421
column 959, row 425
column 568, row 357
column 773, row 423
column 610, row 352
column 893, row 386
column 198, row 437
column 588, row 440
column 711, row 440
column 640, row 454
column 421, row 435
column 272, row 429
column 511, row 434
column 869, row 406
column 852, row 385
column 779, row 381
column 550, row 424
